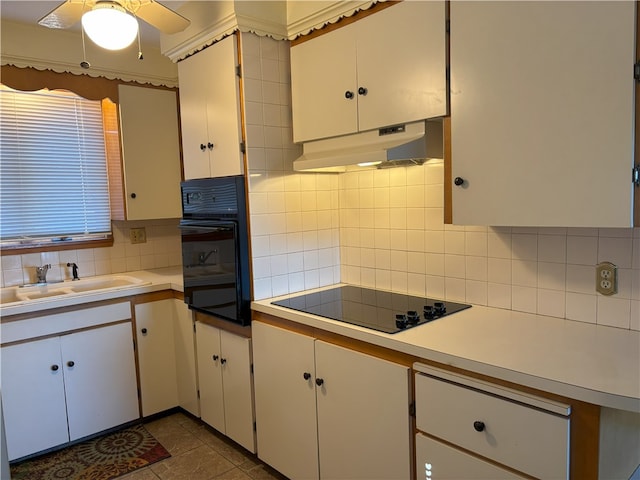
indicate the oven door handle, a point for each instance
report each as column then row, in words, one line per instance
column 207, row 228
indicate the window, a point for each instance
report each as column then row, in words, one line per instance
column 53, row 171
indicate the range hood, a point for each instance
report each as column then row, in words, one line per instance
column 407, row 144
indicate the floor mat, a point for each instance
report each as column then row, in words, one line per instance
column 101, row 458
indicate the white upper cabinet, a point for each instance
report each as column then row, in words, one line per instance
column 150, row 152
column 210, row 112
column 542, row 113
column 385, row 69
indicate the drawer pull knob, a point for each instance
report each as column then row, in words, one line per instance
column 478, row 426
column 70, row 363
column 54, row 368
column 144, row 331
column 306, row 375
column 215, row 358
column 223, row 361
column 319, row 382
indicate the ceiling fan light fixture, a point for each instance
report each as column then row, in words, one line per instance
column 110, row 26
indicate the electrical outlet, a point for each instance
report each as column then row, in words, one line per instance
column 606, row 278
column 138, row 235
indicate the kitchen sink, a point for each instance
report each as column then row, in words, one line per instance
column 90, row 284
column 9, row 295
column 32, row 292
column 44, row 293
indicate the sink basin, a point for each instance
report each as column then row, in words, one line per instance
column 68, row 287
column 45, row 293
column 9, row 295
column 91, row 284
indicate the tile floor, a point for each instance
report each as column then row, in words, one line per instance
column 199, row 453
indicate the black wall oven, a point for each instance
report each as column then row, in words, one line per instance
column 215, row 247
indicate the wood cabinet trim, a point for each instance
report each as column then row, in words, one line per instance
column 223, row 324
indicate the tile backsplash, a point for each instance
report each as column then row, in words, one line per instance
column 162, row 249
column 392, row 236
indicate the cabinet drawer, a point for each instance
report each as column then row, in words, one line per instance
column 510, row 428
column 435, row 460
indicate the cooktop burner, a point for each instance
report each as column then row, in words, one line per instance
column 383, row 311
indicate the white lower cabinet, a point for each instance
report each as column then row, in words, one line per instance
column 328, row 412
column 435, row 460
column 225, row 383
column 185, row 348
column 67, row 387
column 166, row 356
column 493, row 425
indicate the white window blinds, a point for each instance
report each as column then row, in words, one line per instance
column 53, row 170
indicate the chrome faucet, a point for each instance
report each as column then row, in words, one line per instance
column 41, row 273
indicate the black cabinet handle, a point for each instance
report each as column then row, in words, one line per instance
column 319, row 382
column 215, row 358
column 458, row 181
column 144, row 331
column 210, row 146
column 54, row 368
column 70, row 363
column 133, row 195
column 306, row 375
column 478, row 426
column 348, row 95
column 223, row 361
column 362, row 91
column 203, row 147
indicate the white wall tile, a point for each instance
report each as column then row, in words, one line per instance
column 551, row 302
column 615, row 250
column 524, row 299
column 552, row 248
column 581, row 307
column 614, row 312
column 499, row 295
column 582, row 250
column 524, row 246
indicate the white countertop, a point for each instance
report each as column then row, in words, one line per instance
column 591, row 363
column 153, row 281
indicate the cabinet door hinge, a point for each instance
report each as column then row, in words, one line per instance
column 243, row 147
column 255, row 428
column 447, row 26
column 198, row 393
column 251, row 368
column 636, row 71
column 412, row 409
column 238, row 71
column 635, row 175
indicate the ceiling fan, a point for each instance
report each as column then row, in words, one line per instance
column 157, row 15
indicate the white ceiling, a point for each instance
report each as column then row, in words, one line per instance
column 31, row 11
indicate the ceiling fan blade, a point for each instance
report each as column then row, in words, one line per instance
column 66, row 14
column 161, row 17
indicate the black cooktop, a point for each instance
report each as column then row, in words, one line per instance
column 379, row 310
